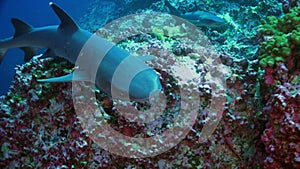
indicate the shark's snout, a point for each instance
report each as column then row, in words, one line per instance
column 145, row 84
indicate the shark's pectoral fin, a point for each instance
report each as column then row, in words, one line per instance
column 20, row 27
column 29, row 53
column 78, row 76
column 2, row 54
column 48, row 53
column 66, row 21
column 66, row 78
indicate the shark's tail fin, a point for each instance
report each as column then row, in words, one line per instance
column 21, row 28
column 172, row 9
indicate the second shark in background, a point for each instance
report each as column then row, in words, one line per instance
column 198, row 18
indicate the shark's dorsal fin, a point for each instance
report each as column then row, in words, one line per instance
column 21, row 27
column 66, row 21
column 172, row 9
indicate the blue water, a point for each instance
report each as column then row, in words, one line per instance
column 37, row 13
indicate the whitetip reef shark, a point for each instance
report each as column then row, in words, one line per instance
column 67, row 41
column 198, row 18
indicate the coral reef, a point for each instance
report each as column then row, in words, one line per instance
column 279, row 54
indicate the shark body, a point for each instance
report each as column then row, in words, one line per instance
column 198, row 18
column 103, row 63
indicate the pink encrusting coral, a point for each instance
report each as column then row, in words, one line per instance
column 282, row 135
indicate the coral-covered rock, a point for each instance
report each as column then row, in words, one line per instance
column 39, row 126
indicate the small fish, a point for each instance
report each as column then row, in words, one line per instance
column 198, row 18
column 114, row 66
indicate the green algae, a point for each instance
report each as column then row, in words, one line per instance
column 281, row 35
